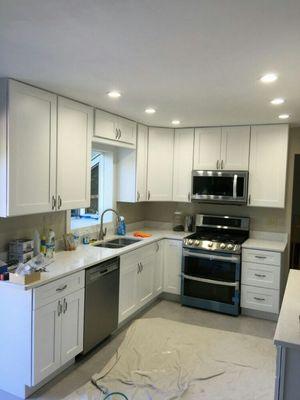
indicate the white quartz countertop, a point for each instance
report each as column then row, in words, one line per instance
column 68, row 262
column 288, row 326
column 268, row 245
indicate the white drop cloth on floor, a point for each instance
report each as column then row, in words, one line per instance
column 166, row 360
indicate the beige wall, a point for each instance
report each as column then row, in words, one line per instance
column 24, row 227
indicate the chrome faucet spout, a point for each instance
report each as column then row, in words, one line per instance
column 102, row 232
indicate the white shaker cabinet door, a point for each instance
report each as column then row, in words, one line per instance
column 207, row 148
column 141, row 163
column 72, row 325
column 75, row 121
column 160, row 164
column 172, row 266
column 128, row 296
column 31, row 147
column 127, row 131
column 183, row 164
column 146, row 279
column 235, row 148
column 46, row 341
column 106, row 125
column 268, row 164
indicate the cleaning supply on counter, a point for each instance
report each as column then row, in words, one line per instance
column 50, row 244
column 43, row 245
column 121, row 230
column 36, row 243
column 141, row 234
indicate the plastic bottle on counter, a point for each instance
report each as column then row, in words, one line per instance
column 36, row 243
column 43, row 245
column 121, row 230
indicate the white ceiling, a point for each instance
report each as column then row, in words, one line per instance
column 194, row 60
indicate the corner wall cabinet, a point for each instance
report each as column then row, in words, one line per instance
column 45, row 153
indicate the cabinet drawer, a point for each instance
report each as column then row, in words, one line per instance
column 267, row 276
column 262, row 257
column 61, row 287
column 260, row 299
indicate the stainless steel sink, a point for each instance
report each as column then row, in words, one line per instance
column 117, row 243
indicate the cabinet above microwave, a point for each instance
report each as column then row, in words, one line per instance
column 220, row 186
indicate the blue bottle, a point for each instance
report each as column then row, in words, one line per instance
column 121, row 230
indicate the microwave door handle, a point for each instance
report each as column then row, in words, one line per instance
column 210, row 257
column 211, row 281
column 234, row 185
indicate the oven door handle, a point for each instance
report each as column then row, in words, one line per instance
column 210, row 257
column 211, row 281
column 234, row 185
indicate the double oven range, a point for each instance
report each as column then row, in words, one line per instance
column 211, row 265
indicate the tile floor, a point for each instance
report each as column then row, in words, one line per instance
column 80, row 373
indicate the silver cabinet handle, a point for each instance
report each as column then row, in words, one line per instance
column 148, row 194
column 59, row 308
column 259, row 298
column 65, row 306
column 120, row 133
column 138, row 196
column 222, row 164
column 59, row 202
column 157, row 247
column 217, row 164
column 249, row 199
column 189, row 196
column 261, row 257
column 53, row 202
column 139, row 268
column 62, row 288
column 117, row 133
column 260, row 275
column 142, row 267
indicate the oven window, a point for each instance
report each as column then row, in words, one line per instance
column 217, row 186
column 207, row 291
column 210, row 269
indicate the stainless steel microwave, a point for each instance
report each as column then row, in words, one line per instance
column 220, row 187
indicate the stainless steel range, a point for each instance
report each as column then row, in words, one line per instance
column 211, row 266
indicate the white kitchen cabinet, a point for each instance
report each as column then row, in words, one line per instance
column 172, row 266
column 141, row 163
column 160, row 164
column 114, row 129
column 207, row 148
column 74, row 135
column 46, row 343
column 146, row 279
column 72, row 326
column 128, row 297
column 235, row 148
column 224, row 148
column 159, row 268
column 268, row 165
column 27, row 149
column 183, row 164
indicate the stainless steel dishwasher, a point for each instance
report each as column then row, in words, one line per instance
column 101, row 302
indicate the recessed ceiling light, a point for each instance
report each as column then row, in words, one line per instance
column 268, row 78
column 150, row 110
column 175, row 122
column 277, row 101
column 114, row 94
column 284, row 116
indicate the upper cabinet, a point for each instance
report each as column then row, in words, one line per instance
column 141, row 163
column 207, row 148
column 268, row 165
column 160, row 164
column 74, row 135
column 183, row 164
column 44, row 155
column 114, row 130
column 27, row 149
column 222, row 148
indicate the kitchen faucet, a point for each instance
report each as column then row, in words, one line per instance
column 102, row 232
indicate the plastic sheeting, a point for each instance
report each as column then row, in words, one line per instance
column 166, row 360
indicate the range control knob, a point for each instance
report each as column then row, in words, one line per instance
column 190, row 241
column 222, row 246
column 197, row 242
column 210, row 244
column 230, row 246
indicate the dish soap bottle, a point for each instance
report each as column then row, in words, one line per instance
column 121, row 230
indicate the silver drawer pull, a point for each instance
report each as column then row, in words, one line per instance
column 261, row 257
column 260, row 275
column 60, row 289
column 259, row 298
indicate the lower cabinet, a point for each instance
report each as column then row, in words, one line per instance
column 142, row 276
column 172, row 266
column 57, row 333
